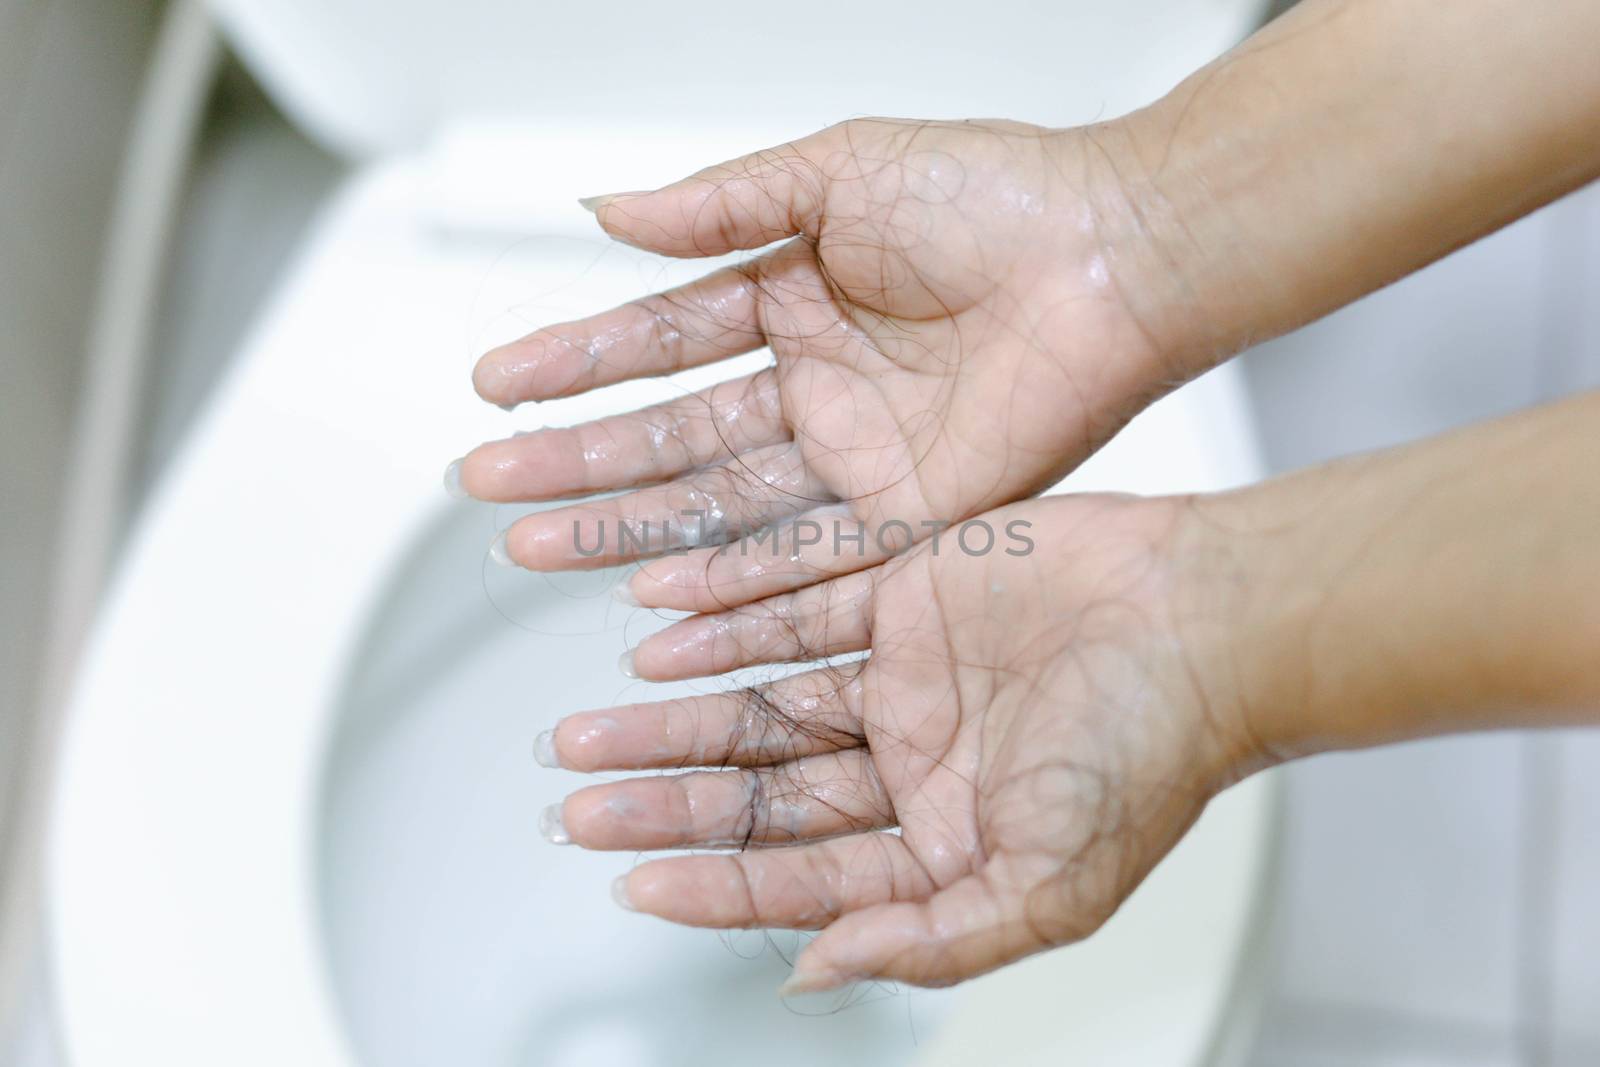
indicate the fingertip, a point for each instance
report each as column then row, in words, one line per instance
column 618, row 816
column 481, row 474
column 584, row 741
column 655, row 659
column 814, row 975
column 594, row 204
column 579, row 813
column 623, row 592
column 613, row 221
column 495, row 377
column 538, row 542
column 700, row 646
column 671, row 654
column 671, row 220
column 820, row 990
column 647, row 886
column 488, row 472
column 668, row 583
column 539, row 366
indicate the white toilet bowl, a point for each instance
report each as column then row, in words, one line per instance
column 294, row 815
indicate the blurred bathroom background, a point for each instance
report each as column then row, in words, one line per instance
column 1434, row 904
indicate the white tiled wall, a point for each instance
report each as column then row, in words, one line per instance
column 1441, row 900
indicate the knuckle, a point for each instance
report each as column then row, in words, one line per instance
column 757, row 815
column 663, row 323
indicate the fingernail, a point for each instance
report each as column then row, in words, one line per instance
column 499, row 552
column 826, row 991
column 625, row 665
column 452, row 480
column 811, row 975
column 544, row 749
column 551, row 826
column 619, row 893
column 593, row 204
column 622, row 592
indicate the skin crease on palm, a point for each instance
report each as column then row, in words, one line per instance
column 958, row 314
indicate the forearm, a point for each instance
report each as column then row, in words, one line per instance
column 1345, row 145
column 1450, row 585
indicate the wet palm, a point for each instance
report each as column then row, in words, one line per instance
column 947, row 336
column 1035, row 725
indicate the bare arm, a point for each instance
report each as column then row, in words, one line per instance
column 1451, row 585
column 1343, row 146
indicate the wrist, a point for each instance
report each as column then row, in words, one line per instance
column 1316, row 638
column 1334, row 151
column 1444, row 586
column 1218, row 621
column 1330, row 629
column 1147, row 216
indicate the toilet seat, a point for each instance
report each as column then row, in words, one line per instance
column 181, row 868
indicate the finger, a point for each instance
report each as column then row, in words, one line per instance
column 821, row 620
column 709, row 506
column 816, row 797
column 706, row 320
column 743, row 203
column 820, row 544
column 800, row 888
column 791, row 718
column 967, row 929
column 638, row 448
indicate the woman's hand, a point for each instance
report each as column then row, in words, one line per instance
column 1044, row 717
column 966, row 310
column 1042, row 722
column 948, row 334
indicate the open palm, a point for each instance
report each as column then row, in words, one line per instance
column 947, row 336
column 1031, row 721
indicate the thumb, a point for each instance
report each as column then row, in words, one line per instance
column 744, row 203
column 960, row 932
